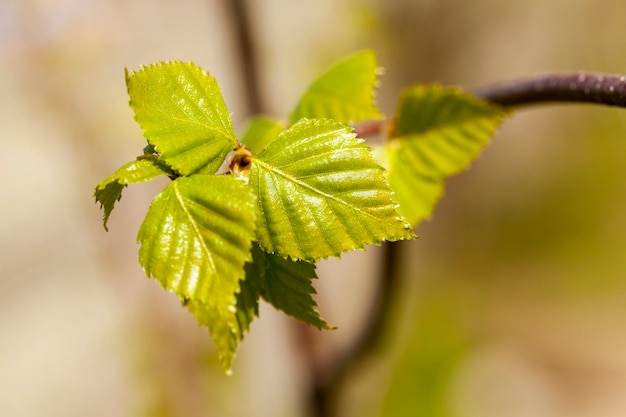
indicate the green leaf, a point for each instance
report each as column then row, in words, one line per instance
column 437, row 133
column 320, row 192
column 251, row 289
column 286, row 284
column 196, row 238
column 344, row 93
column 260, row 132
column 109, row 191
column 195, row 241
column 183, row 115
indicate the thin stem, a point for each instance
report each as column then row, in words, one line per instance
column 363, row 130
column 579, row 87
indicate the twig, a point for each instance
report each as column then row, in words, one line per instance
column 579, row 87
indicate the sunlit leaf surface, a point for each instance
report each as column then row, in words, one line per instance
column 183, row 115
column 109, row 191
column 437, row 133
column 196, row 238
column 320, row 192
column 344, row 93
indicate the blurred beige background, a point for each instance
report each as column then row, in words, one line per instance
column 514, row 297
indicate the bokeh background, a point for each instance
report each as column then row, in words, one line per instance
column 513, row 300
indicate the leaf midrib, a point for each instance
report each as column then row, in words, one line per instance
column 191, row 221
column 288, row 177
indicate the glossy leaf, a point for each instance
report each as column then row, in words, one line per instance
column 109, row 191
column 287, row 285
column 320, row 193
column 344, row 93
column 196, row 238
column 183, row 115
column 437, row 133
column 260, row 132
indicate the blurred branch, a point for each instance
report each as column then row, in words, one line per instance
column 579, row 87
column 327, row 382
column 240, row 16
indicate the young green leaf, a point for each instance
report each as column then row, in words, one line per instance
column 250, row 292
column 437, row 133
column 260, row 132
column 196, row 238
column 286, row 284
column 344, row 93
column 109, row 191
column 183, row 115
column 320, row 193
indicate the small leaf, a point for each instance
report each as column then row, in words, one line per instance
column 344, row 93
column 437, row 133
column 320, row 192
column 196, row 238
column 260, row 132
column 183, row 115
column 286, row 285
column 109, row 191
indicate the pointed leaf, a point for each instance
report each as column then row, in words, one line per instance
column 196, row 238
column 286, row 285
column 344, row 93
column 260, row 132
column 109, row 191
column 320, row 192
column 183, row 115
column 437, row 133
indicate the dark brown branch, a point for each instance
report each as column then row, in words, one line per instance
column 579, row 87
